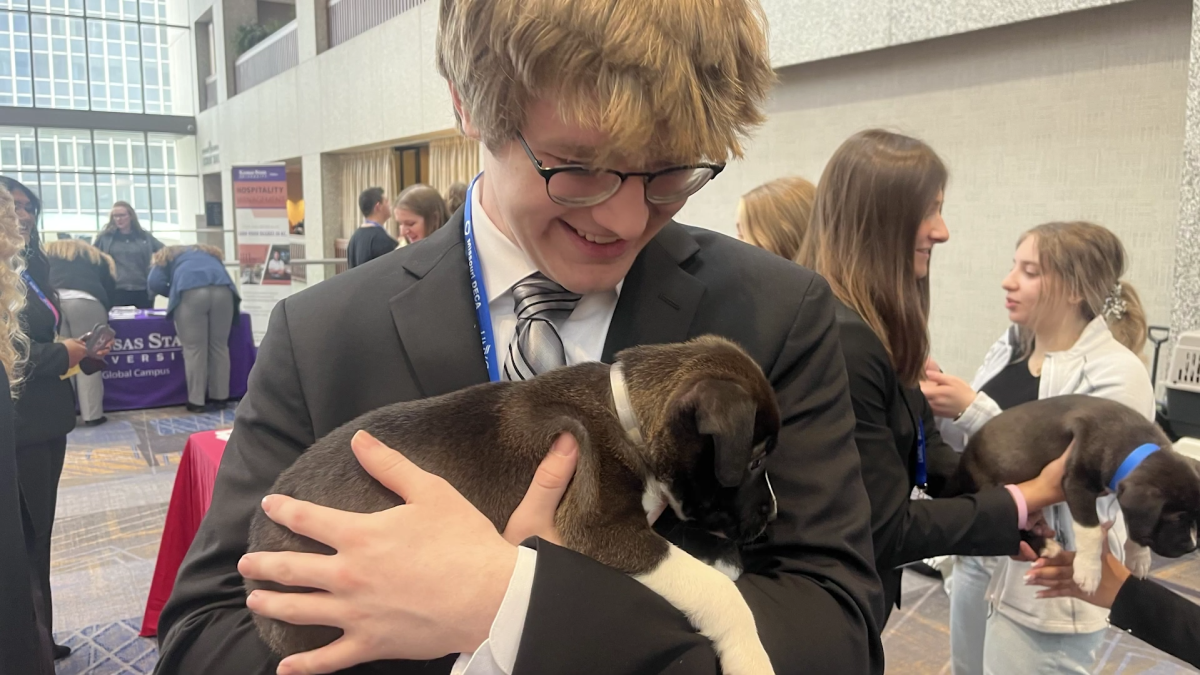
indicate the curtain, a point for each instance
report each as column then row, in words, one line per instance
column 452, row 160
column 362, row 170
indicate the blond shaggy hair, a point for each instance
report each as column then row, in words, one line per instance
column 13, row 342
column 70, row 249
column 168, row 254
column 666, row 80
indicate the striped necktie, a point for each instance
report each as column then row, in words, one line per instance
column 537, row 346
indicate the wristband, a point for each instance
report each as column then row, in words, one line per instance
column 1022, row 506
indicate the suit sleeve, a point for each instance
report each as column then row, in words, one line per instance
column 903, row 529
column 47, row 360
column 812, row 586
column 1163, row 619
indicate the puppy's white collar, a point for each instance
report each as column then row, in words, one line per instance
column 625, row 413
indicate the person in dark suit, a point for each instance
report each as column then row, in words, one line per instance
column 432, row 579
column 24, row 644
column 877, row 218
column 45, row 406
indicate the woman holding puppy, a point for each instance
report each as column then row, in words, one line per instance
column 876, row 220
column 1077, row 329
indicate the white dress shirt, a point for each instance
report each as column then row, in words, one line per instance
column 583, row 335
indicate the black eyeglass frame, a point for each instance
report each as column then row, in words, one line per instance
column 548, row 173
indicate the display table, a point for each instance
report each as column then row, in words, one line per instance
column 189, row 502
column 145, row 367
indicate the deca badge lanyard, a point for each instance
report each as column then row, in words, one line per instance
column 46, row 301
column 479, row 290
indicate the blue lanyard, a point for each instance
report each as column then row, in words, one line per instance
column 45, row 301
column 479, row 291
column 922, row 472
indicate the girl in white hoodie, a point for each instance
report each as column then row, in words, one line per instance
column 1077, row 329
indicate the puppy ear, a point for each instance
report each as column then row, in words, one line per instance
column 724, row 411
column 1142, row 505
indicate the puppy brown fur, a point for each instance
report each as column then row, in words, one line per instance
column 707, row 413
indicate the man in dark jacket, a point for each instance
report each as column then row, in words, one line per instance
column 370, row 240
column 440, row 584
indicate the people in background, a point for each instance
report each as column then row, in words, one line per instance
column 85, row 278
column 370, row 240
column 1077, row 328
column 24, row 642
column 419, row 211
column 204, row 303
column 456, row 194
column 131, row 248
column 876, row 221
column 45, row 407
column 775, row 215
column 1144, row 608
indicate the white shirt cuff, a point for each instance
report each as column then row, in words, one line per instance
column 498, row 654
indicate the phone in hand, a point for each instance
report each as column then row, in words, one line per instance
column 100, row 338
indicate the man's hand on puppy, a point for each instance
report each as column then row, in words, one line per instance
column 418, row 581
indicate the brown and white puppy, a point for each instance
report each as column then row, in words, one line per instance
column 686, row 425
column 1160, row 496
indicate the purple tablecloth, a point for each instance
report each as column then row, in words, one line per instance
column 145, row 367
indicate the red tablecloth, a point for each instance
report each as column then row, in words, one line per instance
column 189, row 502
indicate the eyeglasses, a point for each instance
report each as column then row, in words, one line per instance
column 578, row 185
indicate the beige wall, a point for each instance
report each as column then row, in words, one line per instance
column 1076, row 116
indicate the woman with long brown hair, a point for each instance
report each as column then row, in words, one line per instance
column 775, row 215
column 131, row 247
column 876, row 220
column 1077, row 328
column 419, row 211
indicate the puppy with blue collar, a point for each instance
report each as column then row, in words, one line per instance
column 686, row 426
column 1113, row 450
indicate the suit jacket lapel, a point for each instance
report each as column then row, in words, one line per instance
column 435, row 316
column 659, row 299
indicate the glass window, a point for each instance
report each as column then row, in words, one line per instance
column 16, row 73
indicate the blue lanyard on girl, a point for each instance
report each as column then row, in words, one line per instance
column 45, row 301
column 479, row 291
column 922, row 471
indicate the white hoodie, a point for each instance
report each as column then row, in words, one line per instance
column 1097, row 365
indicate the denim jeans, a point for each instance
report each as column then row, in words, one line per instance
column 996, row 645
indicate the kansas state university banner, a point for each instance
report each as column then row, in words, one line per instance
column 260, row 205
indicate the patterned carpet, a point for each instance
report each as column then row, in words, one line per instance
column 113, row 501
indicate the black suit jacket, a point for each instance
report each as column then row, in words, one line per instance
column 45, row 408
column 905, row 530
column 403, row 327
column 1158, row 616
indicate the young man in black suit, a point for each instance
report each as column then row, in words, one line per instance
column 661, row 91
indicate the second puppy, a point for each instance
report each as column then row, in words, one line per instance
column 1115, row 450
column 685, row 425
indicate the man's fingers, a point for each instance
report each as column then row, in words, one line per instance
column 395, row 471
column 337, row 655
column 307, row 570
column 314, row 521
column 299, row 609
column 535, row 514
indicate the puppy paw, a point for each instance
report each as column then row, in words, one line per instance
column 1137, row 559
column 1087, row 573
column 1050, row 549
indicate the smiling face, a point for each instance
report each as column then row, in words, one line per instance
column 26, row 213
column 586, row 249
column 412, row 225
column 931, row 232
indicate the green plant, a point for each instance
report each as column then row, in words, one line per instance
column 251, row 34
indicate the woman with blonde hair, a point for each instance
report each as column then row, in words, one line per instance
column 1077, row 328
column 419, row 210
column 85, row 278
column 876, row 221
column 774, row 216
column 25, row 646
column 45, row 405
column 204, row 303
